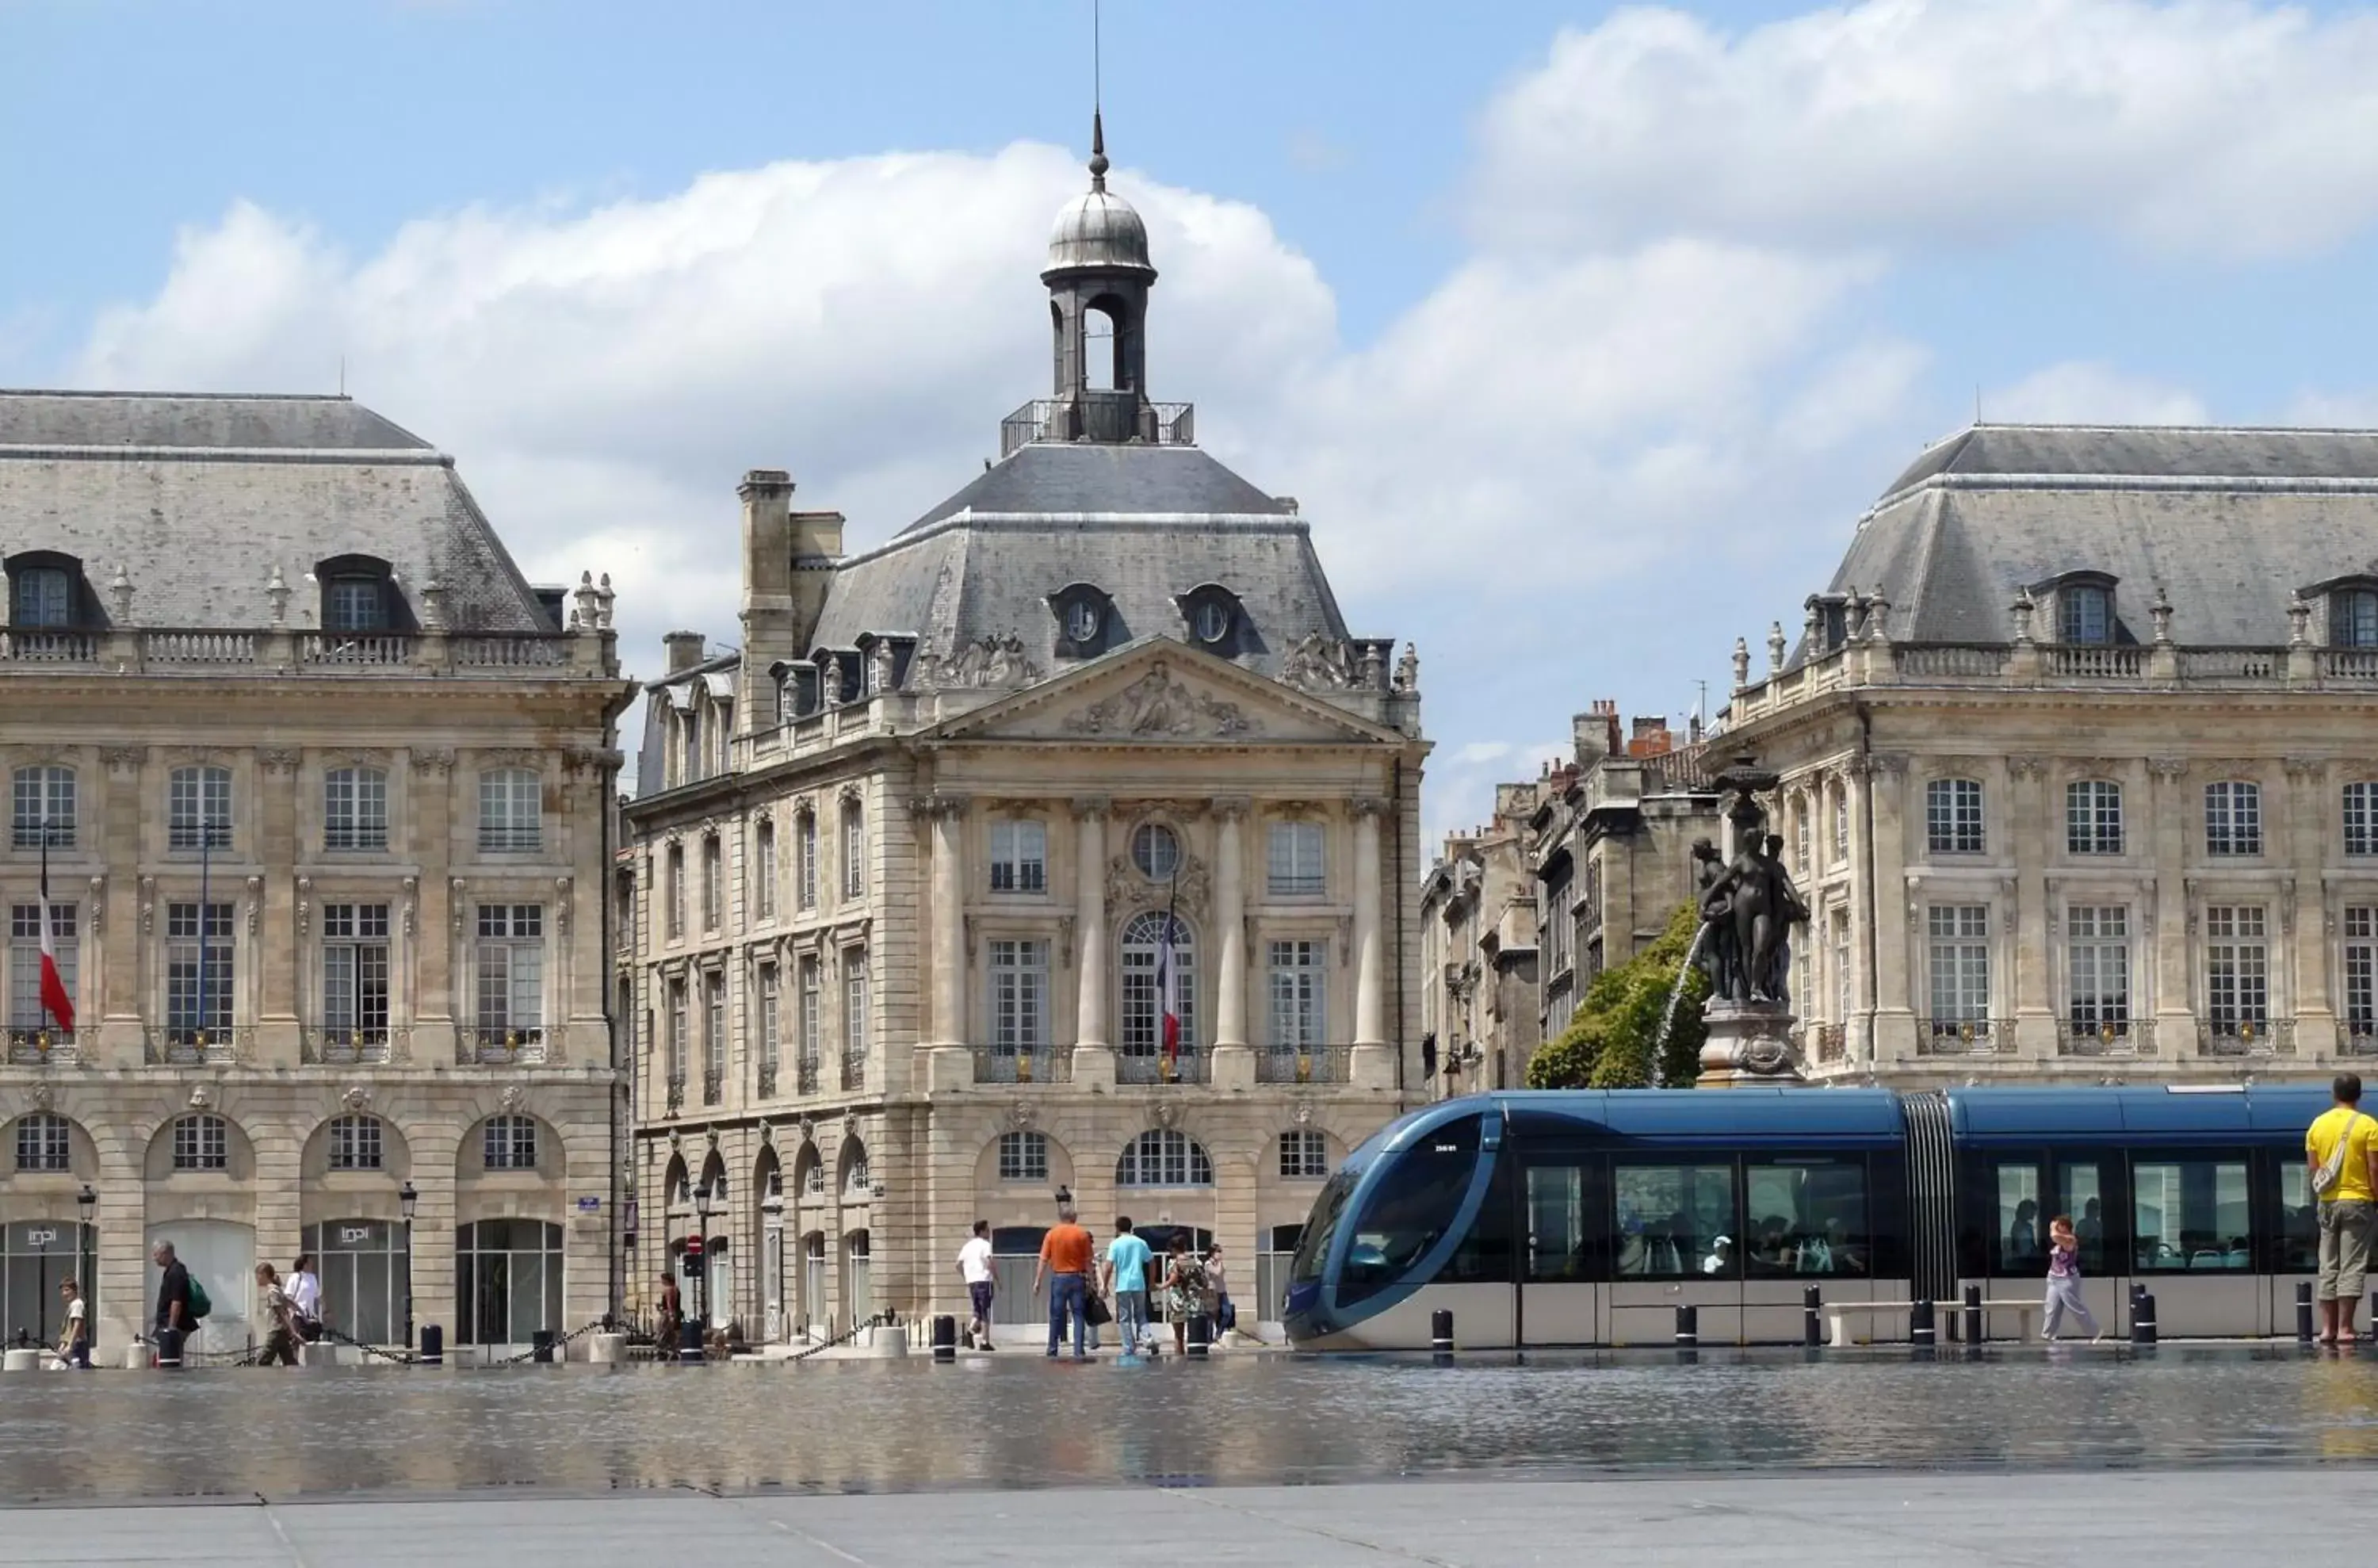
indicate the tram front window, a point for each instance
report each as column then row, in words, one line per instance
column 1416, row 1199
column 1312, row 1247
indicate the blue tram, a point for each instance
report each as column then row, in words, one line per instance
column 1586, row 1218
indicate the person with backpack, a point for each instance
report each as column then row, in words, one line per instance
column 2341, row 1172
column 182, row 1304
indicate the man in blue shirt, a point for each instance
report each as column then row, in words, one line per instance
column 1127, row 1278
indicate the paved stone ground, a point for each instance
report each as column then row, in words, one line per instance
column 2171, row 1518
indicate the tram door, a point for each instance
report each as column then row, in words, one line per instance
column 1563, row 1200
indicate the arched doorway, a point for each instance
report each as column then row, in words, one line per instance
column 768, row 1226
column 858, row 1279
column 1014, row 1254
column 812, row 1303
column 366, row 1271
column 717, row 1250
column 1149, row 976
column 507, row 1281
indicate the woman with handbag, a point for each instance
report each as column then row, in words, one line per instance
column 1218, row 1294
column 305, row 1298
column 1184, row 1290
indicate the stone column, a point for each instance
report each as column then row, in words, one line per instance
column 1867, row 909
column 2035, row 1017
column 1093, row 1058
column 437, row 934
column 114, row 936
column 2304, row 913
column 1894, row 1008
column 1234, row 1061
column 2175, row 1002
column 948, row 964
column 1374, row 1064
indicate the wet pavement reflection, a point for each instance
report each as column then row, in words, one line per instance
column 1018, row 1420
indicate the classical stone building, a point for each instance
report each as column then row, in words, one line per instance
column 1609, row 846
column 1481, row 1014
column 2078, row 757
column 905, row 862
column 320, row 783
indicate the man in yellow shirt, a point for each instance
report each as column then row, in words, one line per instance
column 2341, row 1158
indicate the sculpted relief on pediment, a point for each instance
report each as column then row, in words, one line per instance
column 1161, row 705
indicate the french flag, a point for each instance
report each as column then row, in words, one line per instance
column 54, row 999
column 1167, row 978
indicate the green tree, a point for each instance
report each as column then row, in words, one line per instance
column 1610, row 1040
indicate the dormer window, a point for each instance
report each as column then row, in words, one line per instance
column 1085, row 620
column 358, row 595
column 1213, row 616
column 2353, row 619
column 41, row 590
column 2085, row 613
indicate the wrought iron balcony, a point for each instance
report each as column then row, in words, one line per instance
column 805, row 1075
column 42, row 1048
column 1964, row 1037
column 2361, row 1039
column 504, row 1047
column 1041, row 1065
column 1831, row 1042
column 178, row 1046
column 767, row 1084
column 2246, row 1037
column 1318, row 1064
column 714, row 1085
column 322, row 1046
column 1101, row 415
column 1189, row 1066
column 853, row 1070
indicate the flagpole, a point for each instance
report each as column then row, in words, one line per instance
column 206, row 856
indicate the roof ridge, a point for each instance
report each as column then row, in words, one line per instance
column 2114, row 427
column 179, row 396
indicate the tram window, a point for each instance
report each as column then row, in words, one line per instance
column 1673, row 1219
column 1807, row 1216
column 2298, row 1222
column 1561, row 1219
column 1484, row 1255
column 2080, row 1194
column 2020, row 1246
column 1313, row 1245
column 2191, row 1215
column 1416, row 1199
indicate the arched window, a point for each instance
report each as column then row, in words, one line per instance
column 509, row 1143
column 2085, row 613
column 856, row 1182
column 2233, row 817
column 1146, row 983
column 355, row 808
column 1155, row 850
column 805, row 857
column 1841, row 824
column 511, row 811
column 202, row 1143
column 41, row 597
column 854, row 851
column 812, row 1182
column 1163, row 1157
column 2353, row 619
column 2092, row 816
column 1952, row 816
column 355, row 1143
column 44, row 1143
column 358, row 594
column 1024, row 1156
column 197, row 808
column 763, row 869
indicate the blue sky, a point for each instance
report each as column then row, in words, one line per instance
column 1581, row 334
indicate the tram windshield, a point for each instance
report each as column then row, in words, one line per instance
column 1413, row 1201
column 1312, row 1247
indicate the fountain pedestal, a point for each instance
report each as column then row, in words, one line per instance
column 1749, row 1042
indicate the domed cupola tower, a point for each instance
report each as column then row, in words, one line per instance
column 1098, row 273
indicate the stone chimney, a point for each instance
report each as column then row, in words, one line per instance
column 684, row 650
column 1595, row 735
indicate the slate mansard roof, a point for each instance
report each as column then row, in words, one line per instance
column 2227, row 522
column 1142, row 522
column 200, row 498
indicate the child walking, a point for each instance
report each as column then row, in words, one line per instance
column 2064, row 1281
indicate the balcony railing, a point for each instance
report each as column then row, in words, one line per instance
column 345, row 1048
column 853, row 1070
column 1189, row 1066
column 42, row 1048
column 675, row 1093
column 1044, row 1065
column 197, row 647
column 1964, row 1037
column 1321, row 1063
column 354, row 647
column 50, row 647
column 1969, row 662
column 1831, row 1042
column 714, row 1085
column 2092, row 661
column 767, row 1084
column 504, row 1047
column 1101, row 415
column 2360, row 1040
column 805, row 1075
column 2246, row 1037
column 2125, row 1037
column 202, row 649
column 179, row 1047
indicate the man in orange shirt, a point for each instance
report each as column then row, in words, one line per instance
column 1065, row 1263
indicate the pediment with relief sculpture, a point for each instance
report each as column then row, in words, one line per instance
column 1164, row 695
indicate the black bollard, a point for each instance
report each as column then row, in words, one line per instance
column 2142, row 1319
column 2303, row 1312
column 1920, row 1332
column 1973, row 1331
column 541, row 1347
column 689, row 1341
column 945, row 1338
column 1811, row 1300
column 1688, row 1327
column 433, row 1345
column 1440, row 1332
column 1201, row 1336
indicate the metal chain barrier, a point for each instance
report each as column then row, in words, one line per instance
column 399, row 1357
column 881, row 1320
column 556, row 1347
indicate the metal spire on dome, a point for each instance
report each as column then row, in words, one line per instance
column 1098, row 108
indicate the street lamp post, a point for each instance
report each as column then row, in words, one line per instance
column 86, row 1205
column 406, row 1201
column 772, row 1210
column 702, row 1281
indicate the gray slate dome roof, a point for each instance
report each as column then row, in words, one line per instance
column 1098, row 229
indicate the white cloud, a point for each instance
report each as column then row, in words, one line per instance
column 2085, row 392
column 2208, row 127
column 2338, row 411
